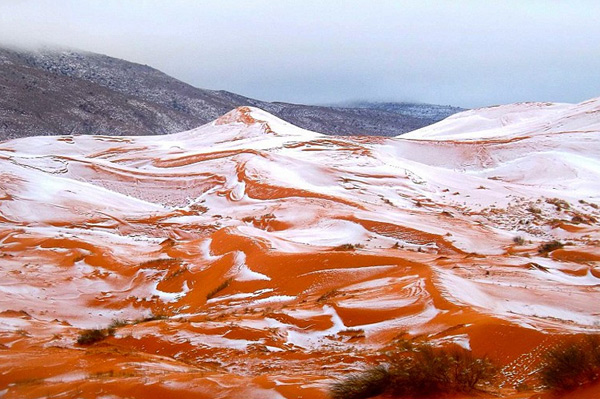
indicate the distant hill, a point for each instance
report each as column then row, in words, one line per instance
column 431, row 112
column 51, row 92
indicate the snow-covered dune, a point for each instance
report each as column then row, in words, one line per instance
column 269, row 250
column 513, row 121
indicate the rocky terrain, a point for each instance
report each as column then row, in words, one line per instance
column 50, row 92
column 252, row 258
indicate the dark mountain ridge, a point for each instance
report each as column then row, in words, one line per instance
column 52, row 92
column 432, row 112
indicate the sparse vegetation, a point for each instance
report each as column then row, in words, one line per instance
column 176, row 273
column 151, row 317
column 418, row 370
column 219, row 288
column 558, row 203
column 91, row 336
column 369, row 383
column 534, row 210
column 352, row 333
column 572, row 364
column 348, row 247
column 548, row 247
column 581, row 218
column 534, row 266
column 519, row 240
column 116, row 323
column 328, row 295
column 577, row 219
column 155, row 316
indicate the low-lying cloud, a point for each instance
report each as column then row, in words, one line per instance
column 466, row 53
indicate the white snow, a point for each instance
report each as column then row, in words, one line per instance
column 125, row 196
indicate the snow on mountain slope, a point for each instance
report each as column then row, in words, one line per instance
column 58, row 91
column 251, row 257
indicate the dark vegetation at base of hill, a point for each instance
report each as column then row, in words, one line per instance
column 571, row 364
column 423, row 371
column 418, row 371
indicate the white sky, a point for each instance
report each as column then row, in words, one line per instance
column 460, row 52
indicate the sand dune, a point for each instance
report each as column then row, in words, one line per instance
column 268, row 260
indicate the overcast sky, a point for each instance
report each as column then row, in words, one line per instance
column 459, row 52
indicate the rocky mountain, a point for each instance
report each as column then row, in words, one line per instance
column 50, row 92
column 249, row 258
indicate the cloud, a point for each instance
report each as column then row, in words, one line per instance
column 467, row 53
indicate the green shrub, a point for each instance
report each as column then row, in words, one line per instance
column 430, row 371
column 419, row 371
column 572, row 364
column 558, row 203
column 550, row 246
column 155, row 316
column 116, row 323
column 369, row 383
column 534, row 210
column 151, row 317
column 88, row 337
column 219, row 288
column 345, row 247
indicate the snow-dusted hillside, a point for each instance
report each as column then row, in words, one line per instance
column 514, row 120
column 52, row 91
column 279, row 258
column 432, row 112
